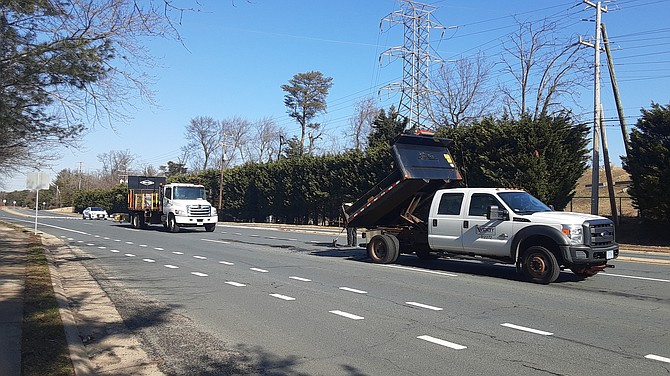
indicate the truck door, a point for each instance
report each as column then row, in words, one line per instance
column 483, row 236
column 444, row 230
column 167, row 200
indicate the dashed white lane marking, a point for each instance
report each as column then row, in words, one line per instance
column 659, row 358
column 63, row 236
column 199, row 274
column 259, row 270
column 90, row 244
column 353, row 290
column 171, row 266
column 148, row 260
column 525, row 329
column 70, row 239
column 226, row 263
column 130, row 255
column 633, row 277
column 215, row 241
column 159, row 249
column 117, row 240
column 80, row 241
column 101, row 247
column 97, row 236
column 421, row 305
column 236, row 284
column 178, row 253
column 129, row 242
column 419, row 270
column 442, row 342
column 200, row 257
column 282, row 297
column 106, row 238
column 254, row 235
column 301, row 279
column 271, row 237
column 114, row 251
column 237, row 233
column 347, row 315
column 292, row 239
column 143, row 245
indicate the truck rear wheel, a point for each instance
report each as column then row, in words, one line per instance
column 540, row 265
column 135, row 221
column 383, row 249
column 172, row 224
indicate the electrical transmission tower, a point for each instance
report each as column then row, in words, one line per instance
column 415, row 53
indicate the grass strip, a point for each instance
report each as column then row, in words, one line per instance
column 44, row 349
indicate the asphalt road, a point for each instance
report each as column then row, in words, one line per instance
column 293, row 304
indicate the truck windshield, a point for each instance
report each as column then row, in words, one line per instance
column 523, row 202
column 189, row 193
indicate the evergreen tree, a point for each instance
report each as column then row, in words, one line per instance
column 648, row 163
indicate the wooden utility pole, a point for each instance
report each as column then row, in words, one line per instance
column 615, row 89
column 608, row 169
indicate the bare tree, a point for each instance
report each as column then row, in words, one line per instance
column 204, row 138
column 116, row 166
column 462, row 92
column 544, row 68
column 266, row 140
column 360, row 124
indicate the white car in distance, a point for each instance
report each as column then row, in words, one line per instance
column 94, row 212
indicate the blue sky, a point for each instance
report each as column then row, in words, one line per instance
column 238, row 53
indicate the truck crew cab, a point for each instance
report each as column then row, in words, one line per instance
column 414, row 210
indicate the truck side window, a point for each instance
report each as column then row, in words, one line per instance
column 479, row 203
column 450, row 204
column 168, row 193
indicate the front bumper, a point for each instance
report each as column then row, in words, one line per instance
column 185, row 221
column 584, row 255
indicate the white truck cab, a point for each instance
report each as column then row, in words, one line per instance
column 186, row 205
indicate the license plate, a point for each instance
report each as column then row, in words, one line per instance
column 610, row 255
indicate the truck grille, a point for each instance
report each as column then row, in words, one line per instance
column 600, row 233
column 198, row 210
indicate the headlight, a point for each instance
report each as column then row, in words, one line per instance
column 213, row 213
column 574, row 232
column 177, row 212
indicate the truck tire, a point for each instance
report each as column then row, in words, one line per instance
column 210, row 228
column 135, row 221
column 540, row 265
column 383, row 249
column 172, row 224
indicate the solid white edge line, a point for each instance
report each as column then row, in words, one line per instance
column 634, row 277
column 300, row 279
column 659, row 358
column 353, row 290
column 259, row 270
column 525, row 329
column 200, row 274
column 421, row 305
column 419, row 270
column 442, row 342
column 282, row 297
column 347, row 315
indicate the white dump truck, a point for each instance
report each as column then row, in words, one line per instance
column 174, row 205
column 415, row 210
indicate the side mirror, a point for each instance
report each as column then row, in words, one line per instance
column 495, row 214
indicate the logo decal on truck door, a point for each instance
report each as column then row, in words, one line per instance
column 484, row 231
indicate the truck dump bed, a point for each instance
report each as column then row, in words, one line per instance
column 144, row 192
column 422, row 166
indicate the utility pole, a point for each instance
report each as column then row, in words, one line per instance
column 608, row 169
column 615, row 89
column 415, row 53
column 597, row 127
column 80, row 175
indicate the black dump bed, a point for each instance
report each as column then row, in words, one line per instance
column 423, row 165
column 145, row 182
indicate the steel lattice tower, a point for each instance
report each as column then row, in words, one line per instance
column 415, row 53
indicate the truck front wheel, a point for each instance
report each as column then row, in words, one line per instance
column 383, row 249
column 210, row 228
column 172, row 224
column 540, row 265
